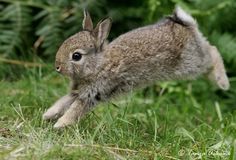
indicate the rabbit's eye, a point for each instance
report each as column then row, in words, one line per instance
column 76, row 56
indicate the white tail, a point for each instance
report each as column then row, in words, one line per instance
column 184, row 17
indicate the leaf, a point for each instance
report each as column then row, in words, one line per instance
column 13, row 35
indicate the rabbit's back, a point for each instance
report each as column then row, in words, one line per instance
column 152, row 40
column 166, row 50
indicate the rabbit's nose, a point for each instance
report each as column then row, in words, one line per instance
column 58, row 68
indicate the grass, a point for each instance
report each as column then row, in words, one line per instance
column 187, row 120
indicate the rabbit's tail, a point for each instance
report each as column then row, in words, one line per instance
column 181, row 17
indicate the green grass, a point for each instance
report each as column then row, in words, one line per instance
column 187, row 120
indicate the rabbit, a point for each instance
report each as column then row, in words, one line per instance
column 171, row 49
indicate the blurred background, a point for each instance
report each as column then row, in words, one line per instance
column 155, row 122
column 31, row 31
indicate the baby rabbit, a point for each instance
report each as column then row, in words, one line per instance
column 172, row 49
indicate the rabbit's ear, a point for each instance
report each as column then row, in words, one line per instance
column 102, row 30
column 87, row 22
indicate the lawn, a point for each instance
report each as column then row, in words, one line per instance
column 167, row 120
column 171, row 120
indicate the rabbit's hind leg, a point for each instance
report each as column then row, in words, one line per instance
column 59, row 107
column 217, row 74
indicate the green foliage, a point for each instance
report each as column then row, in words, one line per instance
column 33, row 30
column 16, row 21
column 30, row 29
column 227, row 45
column 170, row 121
column 38, row 28
column 179, row 122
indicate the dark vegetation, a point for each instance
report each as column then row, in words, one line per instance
column 160, row 121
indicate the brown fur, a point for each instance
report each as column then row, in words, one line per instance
column 172, row 49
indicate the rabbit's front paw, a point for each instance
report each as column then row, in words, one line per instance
column 59, row 108
column 51, row 113
column 63, row 122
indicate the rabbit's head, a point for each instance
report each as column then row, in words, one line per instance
column 80, row 54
